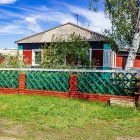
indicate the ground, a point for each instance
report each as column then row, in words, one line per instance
column 24, row 117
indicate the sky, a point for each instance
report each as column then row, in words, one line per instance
column 22, row 18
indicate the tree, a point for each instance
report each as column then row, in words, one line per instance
column 123, row 16
column 13, row 61
column 72, row 51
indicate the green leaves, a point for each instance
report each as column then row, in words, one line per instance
column 66, row 51
column 14, row 61
column 123, row 15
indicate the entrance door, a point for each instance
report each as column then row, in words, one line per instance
column 98, row 56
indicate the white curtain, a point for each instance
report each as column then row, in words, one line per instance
column 107, row 58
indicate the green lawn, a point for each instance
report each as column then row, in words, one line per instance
column 25, row 117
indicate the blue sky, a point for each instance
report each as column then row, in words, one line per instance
column 21, row 18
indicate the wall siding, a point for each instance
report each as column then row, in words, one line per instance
column 121, row 61
column 27, row 55
column 96, row 54
column 137, row 62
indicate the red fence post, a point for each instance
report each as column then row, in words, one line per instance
column 73, row 85
column 21, row 84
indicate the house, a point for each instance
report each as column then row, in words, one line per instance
column 7, row 52
column 121, row 58
column 30, row 47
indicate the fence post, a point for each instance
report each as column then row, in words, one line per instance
column 73, row 85
column 137, row 94
column 21, row 84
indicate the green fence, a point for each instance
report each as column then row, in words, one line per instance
column 107, row 83
column 45, row 80
column 9, row 79
column 112, row 83
column 97, row 82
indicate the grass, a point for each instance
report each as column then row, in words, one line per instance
column 43, row 118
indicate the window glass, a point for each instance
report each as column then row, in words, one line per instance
column 37, row 57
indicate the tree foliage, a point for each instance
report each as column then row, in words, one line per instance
column 13, row 61
column 71, row 52
column 123, row 15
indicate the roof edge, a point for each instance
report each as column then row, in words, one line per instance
column 58, row 27
column 40, row 32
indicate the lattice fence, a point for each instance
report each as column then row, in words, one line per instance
column 107, row 83
column 45, row 80
column 9, row 79
column 113, row 83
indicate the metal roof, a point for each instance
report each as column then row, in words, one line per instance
column 64, row 30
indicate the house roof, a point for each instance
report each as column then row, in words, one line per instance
column 64, row 30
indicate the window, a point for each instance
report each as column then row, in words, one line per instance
column 36, row 57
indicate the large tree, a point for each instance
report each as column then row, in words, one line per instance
column 123, row 15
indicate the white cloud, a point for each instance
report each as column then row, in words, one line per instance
column 11, row 29
column 96, row 21
column 55, row 16
column 31, row 20
column 7, row 1
column 5, row 14
column 27, row 26
column 32, row 24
